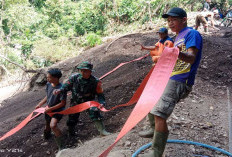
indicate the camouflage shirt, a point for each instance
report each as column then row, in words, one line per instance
column 83, row 89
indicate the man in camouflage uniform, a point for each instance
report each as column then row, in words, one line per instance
column 84, row 87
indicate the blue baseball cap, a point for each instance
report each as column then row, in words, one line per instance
column 176, row 12
column 163, row 30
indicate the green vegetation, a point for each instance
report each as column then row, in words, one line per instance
column 38, row 33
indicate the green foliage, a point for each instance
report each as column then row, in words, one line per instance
column 5, row 26
column 37, row 3
column 127, row 11
column 54, row 50
column 47, row 31
column 93, row 39
column 53, row 31
column 90, row 20
column 38, row 62
column 26, row 49
column 80, row 30
column 14, row 56
column 19, row 18
column 230, row 2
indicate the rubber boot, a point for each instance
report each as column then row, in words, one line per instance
column 158, row 145
column 101, row 128
column 47, row 134
column 60, row 142
column 71, row 131
column 149, row 133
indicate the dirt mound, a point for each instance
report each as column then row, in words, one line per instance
column 202, row 117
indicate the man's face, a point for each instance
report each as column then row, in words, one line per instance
column 163, row 35
column 208, row 1
column 86, row 73
column 50, row 78
column 176, row 24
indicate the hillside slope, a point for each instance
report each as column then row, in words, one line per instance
column 202, row 117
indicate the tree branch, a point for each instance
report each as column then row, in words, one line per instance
column 21, row 67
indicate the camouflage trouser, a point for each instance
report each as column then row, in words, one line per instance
column 73, row 119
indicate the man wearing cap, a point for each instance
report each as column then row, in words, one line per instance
column 189, row 42
column 203, row 18
column 84, row 87
column 156, row 51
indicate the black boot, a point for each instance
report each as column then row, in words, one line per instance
column 71, row 131
column 47, row 134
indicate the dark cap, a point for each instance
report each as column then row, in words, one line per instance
column 163, row 30
column 177, row 12
column 85, row 65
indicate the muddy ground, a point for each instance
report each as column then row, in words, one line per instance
column 202, row 117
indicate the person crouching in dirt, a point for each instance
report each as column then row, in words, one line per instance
column 56, row 103
column 156, row 51
column 189, row 42
column 202, row 18
column 84, row 87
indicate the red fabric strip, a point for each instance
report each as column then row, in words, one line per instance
column 83, row 106
column 121, row 64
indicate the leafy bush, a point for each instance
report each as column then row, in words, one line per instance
column 53, row 31
column 46, row 30
column 80, row 30
column 26, row 49
column 93, row 39
column 5, row 27
column 90, row 20
column 54, row 50
column 37, row 3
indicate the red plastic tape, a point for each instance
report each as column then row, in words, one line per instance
column 23, row 123
column 83, row 106
column 121, row 64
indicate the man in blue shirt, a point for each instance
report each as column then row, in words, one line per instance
column 189, row 42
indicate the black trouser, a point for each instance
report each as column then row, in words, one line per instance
column 73, row 119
